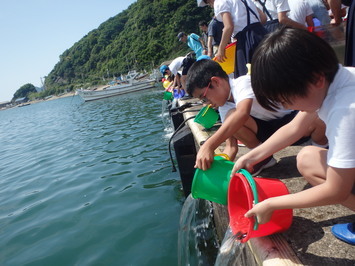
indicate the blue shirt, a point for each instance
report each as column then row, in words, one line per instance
column 194, row 43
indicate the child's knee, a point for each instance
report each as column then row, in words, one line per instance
column 304, row 159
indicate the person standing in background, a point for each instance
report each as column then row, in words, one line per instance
column 301, row 12
column 194, row 41
column 215, row 30
column 242, row 20
column 204, row 29
column 320, row 11
column 276, row 11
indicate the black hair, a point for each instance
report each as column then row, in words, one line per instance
column 286, row 62
column 201, row 72
column 202, row 23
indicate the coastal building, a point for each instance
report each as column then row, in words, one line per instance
column 21, row 100
column 5, row 104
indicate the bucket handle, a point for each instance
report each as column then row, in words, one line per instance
column 252, row 184
column 223, row 155
column 208, row 107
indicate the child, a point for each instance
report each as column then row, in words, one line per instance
column 181, row 62
column 194, row 41
column 241, row 20
column 248, row 121
column 301, row 71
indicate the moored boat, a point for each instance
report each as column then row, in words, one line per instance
column 131, row 85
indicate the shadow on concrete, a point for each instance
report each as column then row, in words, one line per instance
column 305, row 232
column 285, row 168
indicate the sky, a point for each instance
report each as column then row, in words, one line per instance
column 34, row 33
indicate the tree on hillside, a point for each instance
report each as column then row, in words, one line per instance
column 140, row 38
column 24, row 91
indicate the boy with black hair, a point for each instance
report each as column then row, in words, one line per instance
column 301, row 71
column 245, row 119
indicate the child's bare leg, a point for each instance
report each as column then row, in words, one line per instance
column 317, row 133
column 247, row 134
column 231, row 148
column 312, row 164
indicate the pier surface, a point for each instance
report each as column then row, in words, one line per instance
column 309, row 240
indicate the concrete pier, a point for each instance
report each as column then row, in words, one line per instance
column 309, row 240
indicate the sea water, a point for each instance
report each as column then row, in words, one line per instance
column 198, row 244
column 88, row 183
column 230, row 250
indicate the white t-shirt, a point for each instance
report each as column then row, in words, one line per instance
column 276, row 6
column 176, row 64
column 241, row 90
column 238, row 12
column 299, row 10
column 338, row 113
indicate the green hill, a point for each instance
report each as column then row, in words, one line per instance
column 140, row 37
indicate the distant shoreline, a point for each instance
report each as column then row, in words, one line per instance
column 54, row 97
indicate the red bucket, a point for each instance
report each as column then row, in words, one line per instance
column 240, row 200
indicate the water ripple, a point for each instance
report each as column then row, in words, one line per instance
column 84, row 184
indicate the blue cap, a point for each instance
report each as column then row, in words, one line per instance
column 163, row 68
column 203, row 57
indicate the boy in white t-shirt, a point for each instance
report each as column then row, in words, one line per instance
column 247, row 122
column 277, row 14
column 307, row 77
column 301, row 12
column 183, row 63
column 242, row 20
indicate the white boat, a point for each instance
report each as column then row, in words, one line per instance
column 125, row 87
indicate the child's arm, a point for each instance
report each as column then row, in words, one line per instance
column 284, row 137
column 336, row 189
column 226, row 36
column 285, row 20
column 230, row 126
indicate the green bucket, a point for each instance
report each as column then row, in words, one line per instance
column 168, row 95
column 207, row 117
column 213, row 183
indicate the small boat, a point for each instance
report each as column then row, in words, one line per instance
column 131, row 84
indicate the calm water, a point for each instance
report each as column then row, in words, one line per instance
column 88, row 184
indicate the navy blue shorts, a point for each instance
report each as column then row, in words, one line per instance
column 267, row 128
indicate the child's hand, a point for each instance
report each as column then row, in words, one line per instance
column 221, row 56
column 262, row 211
column 204, row 157
column 243, row 162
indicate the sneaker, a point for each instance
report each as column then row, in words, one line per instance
column 268, row 162
column 345, row 232
column 241, row 144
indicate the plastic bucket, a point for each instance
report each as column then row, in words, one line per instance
column 168, row 95
column 228, row 64
column 213, row 183
column 207, row 117
column 240, row 200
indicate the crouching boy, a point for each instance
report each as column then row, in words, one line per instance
column 301, row 71
column 247, row 121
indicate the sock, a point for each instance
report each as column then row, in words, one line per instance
column 325, row 146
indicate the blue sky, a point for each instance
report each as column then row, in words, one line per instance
column 34, row 33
